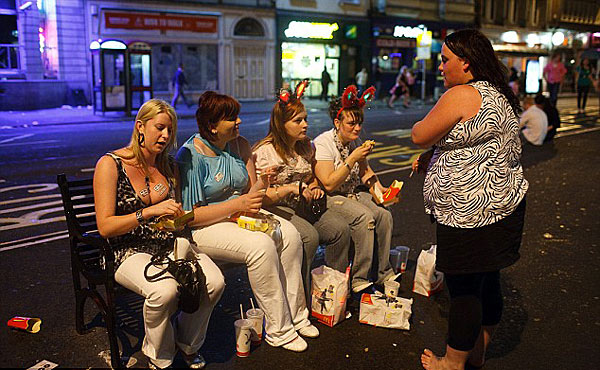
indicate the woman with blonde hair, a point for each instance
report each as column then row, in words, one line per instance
column 133, row 186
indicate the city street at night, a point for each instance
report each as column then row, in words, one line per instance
column 551, row 295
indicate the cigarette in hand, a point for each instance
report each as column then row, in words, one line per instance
column 411, row 173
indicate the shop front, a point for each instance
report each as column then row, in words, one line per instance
column 395, row 45
column 208, row 43
column 308, row 45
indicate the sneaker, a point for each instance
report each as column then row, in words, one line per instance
column 296, row 345
column 309, row 331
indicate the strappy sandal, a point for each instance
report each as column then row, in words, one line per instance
column 197, row 362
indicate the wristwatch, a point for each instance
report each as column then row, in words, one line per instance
column 139, row 217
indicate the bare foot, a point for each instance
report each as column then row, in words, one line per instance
column 433, row 362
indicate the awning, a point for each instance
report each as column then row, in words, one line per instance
column 519, row 50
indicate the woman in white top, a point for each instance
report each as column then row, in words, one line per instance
column 287, row 147
column 341, row 167
column 475, row 191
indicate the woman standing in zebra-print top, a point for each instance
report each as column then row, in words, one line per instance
column 474, row 189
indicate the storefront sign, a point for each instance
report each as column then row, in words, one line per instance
column 157, row 21
column 391, row 43
column 311, row 30
column 408, row 32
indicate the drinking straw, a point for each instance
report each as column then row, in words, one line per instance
column 252, row 303
column 242, row 311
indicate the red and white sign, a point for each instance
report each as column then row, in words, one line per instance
column 158, row 21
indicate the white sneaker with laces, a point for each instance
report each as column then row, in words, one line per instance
column 296, row 345
column 309, row 331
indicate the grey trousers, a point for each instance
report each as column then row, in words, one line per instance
column 331, row 229
column 366, row 220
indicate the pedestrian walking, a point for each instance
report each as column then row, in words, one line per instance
column 325, row 81
column 584, row 74
column 400, row 89
column 474, row 190
column 554, row 73
column 179, row 81
column 361, row 80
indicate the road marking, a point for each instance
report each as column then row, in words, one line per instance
column 15, row 138
column 390, row 170
column 31, row 142
column 571, row 133
column 28, row 244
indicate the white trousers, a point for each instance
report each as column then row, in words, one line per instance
column 162, row 338
column 274, row 271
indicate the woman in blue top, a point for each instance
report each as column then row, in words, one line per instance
column 585, row 79
column 218, row 180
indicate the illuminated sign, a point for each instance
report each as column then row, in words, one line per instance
column 157, row 21
column 311, row 30
column 424, row 39
column 409, row 32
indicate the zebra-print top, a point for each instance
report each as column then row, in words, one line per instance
column 475, row 177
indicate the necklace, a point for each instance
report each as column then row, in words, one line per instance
column 159, row 188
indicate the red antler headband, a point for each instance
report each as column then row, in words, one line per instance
column 284, row 95
column 350, row 98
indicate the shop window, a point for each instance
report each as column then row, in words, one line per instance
column 249, row 27
column 200, row 63
column 9, row 51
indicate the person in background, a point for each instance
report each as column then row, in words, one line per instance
column 361, row 80
column 325, row 81
column 287, row 147
column 218, row 181
column 179, row 81
column 341, row 167
column 475, row 191
column 132, row 187
column 378, row 74
column 554, row 73
column 513, row 81
column 400, row 89
column 534, row 122
column 551, row 114
column 584, row 75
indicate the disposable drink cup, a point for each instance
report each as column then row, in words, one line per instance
column 402, row 257
column 391, row 288
column 242, row 337
column 394, row 253
column 257, row 316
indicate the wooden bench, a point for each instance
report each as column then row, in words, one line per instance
column 88, row 248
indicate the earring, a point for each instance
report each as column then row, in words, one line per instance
column 213, row 131
column 141, row 139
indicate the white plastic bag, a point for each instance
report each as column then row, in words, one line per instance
column 387, row 312
column 427, row 280
column 329, row 294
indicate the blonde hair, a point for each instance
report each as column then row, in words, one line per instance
column 148, row 111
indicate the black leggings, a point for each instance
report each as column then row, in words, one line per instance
column 582, row 92
column 475, row 300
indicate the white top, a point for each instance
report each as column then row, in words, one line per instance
column 361, row 78
column 326, row 150
column 475, row 177
column 297, row 169
column 534, row 123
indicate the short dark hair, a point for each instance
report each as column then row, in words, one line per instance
column 539, row 99
column 336, row 104
column 472, row 46
column 212, row 108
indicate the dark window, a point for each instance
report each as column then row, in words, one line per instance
column 249, row 27
column 8, row 29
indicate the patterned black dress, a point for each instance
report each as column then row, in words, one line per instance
column 142, row 239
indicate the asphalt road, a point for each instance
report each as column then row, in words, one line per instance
column 552, row 295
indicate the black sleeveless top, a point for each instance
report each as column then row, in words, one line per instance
column 142, row 239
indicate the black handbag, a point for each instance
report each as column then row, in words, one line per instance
column 311, row 210
column 189, row 276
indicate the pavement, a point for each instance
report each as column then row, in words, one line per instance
column 85, row 114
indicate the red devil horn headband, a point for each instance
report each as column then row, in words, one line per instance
column 285, row 95
column 350, row 98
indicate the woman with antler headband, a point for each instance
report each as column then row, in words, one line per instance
column 218, row 180
column 287, row 147
column 341, row 167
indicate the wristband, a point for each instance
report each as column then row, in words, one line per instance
column 277, row 192
column 139, row 217
column 347, row 166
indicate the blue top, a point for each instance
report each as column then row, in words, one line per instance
column 206, row 180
